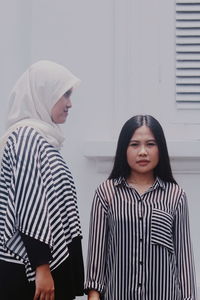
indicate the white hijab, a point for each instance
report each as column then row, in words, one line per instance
column 33, row 98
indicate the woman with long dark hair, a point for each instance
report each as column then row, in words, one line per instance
column 139, row 242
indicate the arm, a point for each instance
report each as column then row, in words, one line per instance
column 44, row 284
column 39, row 255
column 183, row 251
column 38, row 252
column 93, row 295
column 97, row 248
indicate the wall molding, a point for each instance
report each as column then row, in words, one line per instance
column 184, row 155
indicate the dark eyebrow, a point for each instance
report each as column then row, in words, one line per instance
column 152, row 140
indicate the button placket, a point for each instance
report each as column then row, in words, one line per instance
column 140, row 256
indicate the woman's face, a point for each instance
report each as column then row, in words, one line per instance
column 142, row 151
column 59, row 111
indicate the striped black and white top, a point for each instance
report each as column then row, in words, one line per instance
column 139, row 245
column 37, row 198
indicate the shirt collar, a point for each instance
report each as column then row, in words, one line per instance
column 119, row 181
column 159, row 183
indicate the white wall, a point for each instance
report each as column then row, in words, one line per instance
column 124, row 52
column 15, row 47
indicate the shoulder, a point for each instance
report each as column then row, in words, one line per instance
column 104, row 192
column 106, row 187
column 21, row 134
column 174, row 189
column 27, row 143
column 30, row 138
column 27, row 132
column 176, row 194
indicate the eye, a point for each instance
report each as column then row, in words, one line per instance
column 68, row 94
column 134, row 144
column 151, row 144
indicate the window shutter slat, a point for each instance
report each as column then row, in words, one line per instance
column 187, row 41
column 188, row 32
column 189, row 24
column 188, row 49
column 187, row 2
column 187, row 89
column 188, row 65
column 188, row 80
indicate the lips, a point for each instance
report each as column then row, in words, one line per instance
column 142, row 162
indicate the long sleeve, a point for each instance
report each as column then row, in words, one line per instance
column 97, row 246
column 184, row 253
column 38, row 252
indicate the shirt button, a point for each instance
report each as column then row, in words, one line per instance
column 140, row 262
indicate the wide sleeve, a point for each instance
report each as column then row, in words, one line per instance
column 27, row 208
column 30, row 194
column 183, row 251
column 97, row 245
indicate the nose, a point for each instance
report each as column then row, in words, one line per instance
column 69, row 103
column 143, row 151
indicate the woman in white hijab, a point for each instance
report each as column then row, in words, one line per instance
column 40, row 234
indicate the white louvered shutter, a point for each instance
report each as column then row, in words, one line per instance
column 188, row 52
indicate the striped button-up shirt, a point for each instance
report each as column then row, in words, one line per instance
column 139, row 245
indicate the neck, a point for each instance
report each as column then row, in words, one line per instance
column 141, row 179
column 141, row 182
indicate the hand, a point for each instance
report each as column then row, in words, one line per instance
column 44, row 284
column 93, row 295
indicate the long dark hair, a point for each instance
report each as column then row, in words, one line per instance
column 121, row 167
